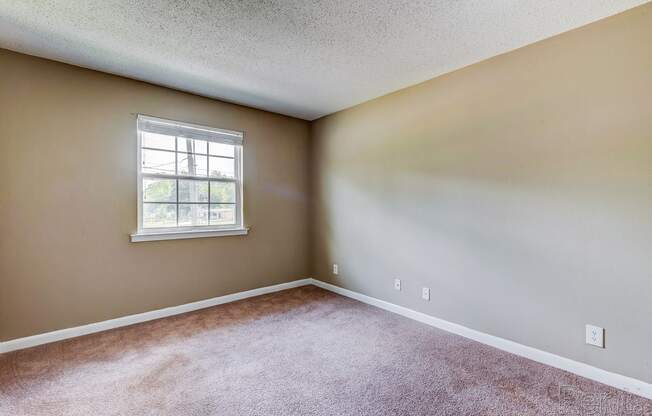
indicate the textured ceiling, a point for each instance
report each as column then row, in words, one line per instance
column 297, row 57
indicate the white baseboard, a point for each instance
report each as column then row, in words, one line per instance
column 48, row 337
column 618, row 381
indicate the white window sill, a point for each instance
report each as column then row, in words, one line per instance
column 180, row 235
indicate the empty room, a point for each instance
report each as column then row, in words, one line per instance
column 285, row 207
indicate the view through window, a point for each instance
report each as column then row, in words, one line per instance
column 189, row 176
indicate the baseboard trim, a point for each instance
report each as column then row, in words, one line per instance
column 618, row 381
column 62, row 334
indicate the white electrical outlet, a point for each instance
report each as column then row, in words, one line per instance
column 425, row 293
column 397, row 284
column 336, row 269
column 595, row 336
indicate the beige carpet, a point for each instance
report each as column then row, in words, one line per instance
column 304, row 351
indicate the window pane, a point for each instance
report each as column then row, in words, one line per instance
column 222, row 214
column 159, row 215
column 222, row 167
column 187, row 180
column 191, row 164
column 193, row 191
column 157, row 141
column 193, row 215
column 159, row 190
column 219, row 149
column 191, row 145
column 156, row 161
column 222, row 191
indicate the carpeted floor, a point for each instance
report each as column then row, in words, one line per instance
column 304, row 351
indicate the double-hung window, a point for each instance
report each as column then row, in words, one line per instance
column 189, row 180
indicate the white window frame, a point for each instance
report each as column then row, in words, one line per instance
column 209, row 134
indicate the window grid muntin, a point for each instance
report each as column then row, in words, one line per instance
column 209, row 204
column 237, row 180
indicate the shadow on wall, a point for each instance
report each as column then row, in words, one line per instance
column 517, row 222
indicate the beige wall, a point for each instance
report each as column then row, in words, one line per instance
column 68, row 200
column 518, row 189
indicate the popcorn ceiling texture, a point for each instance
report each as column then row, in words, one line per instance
column 295, row 57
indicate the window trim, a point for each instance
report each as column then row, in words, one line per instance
column 175, row 233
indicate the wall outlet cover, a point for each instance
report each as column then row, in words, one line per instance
column 595, row 336
column 397, row 284
column 336, row 269
column 425, row 293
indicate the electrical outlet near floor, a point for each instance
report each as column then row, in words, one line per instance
column 336, row 269
column 595, row 336
column 425, row 293
column 397, row 284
